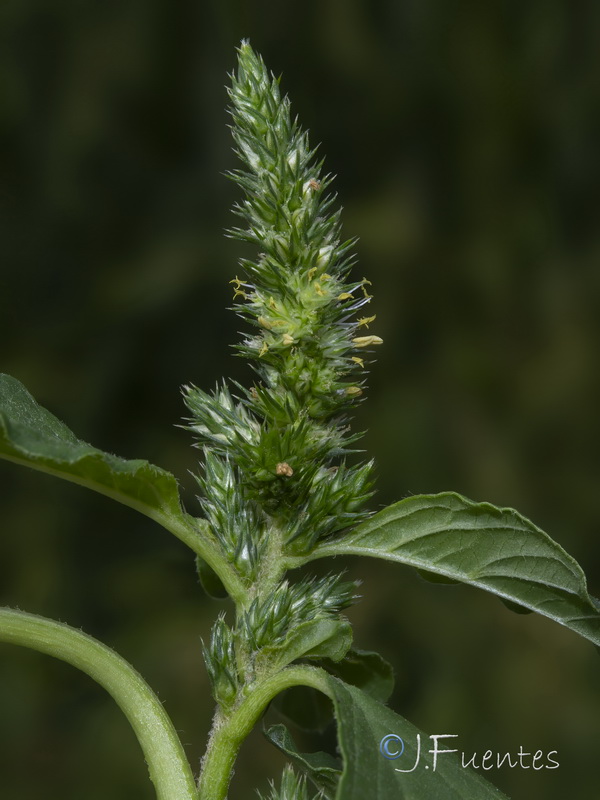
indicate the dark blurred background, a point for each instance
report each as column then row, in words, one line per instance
column 465, row 136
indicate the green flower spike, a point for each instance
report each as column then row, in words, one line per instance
column 275, row 453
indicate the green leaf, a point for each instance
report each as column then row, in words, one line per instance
column 311, row 710
column 323, row 637
column 366, row 670
column 362, row 725
column 32, row 436
column 324, row 770
column 492, row 548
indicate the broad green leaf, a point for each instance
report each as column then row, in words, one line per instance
column 311, row 710
column 32, row 436
column 327, row 637
column 415, row 774
column 324, row 770
column 492, row 548
column 362, row 725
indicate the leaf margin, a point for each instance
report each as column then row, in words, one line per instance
column 586, row 625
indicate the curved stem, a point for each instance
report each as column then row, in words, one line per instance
column 229, row 732
column 169, row 769
column 187, row 529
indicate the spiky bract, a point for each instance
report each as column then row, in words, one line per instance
column 292, row 787
column 220, row 660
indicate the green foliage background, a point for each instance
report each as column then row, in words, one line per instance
column 465, row 140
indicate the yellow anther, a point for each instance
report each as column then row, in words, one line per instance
column 272, row 303
column 358, row 361
column 366, row 321
column 311, row 273
column 354, row 391
column 265, row 323
column 263, row 349
column 286, row 339
column 325, row 277
column 237, row 291
column 345, row 296
column 366, row 341
column 364, row 283
column 318, row 289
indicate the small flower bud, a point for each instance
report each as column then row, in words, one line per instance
column 324, row 256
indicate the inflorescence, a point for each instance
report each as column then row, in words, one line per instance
column 275, row 476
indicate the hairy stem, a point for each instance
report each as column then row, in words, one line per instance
column 195, row 533
column 169, row 769
column 229, row 732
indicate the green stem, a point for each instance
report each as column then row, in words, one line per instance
column 229, row 732
column 169, row 769
column 195, row 533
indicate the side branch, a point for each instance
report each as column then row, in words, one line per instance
column 229, row 732
column 168, row 766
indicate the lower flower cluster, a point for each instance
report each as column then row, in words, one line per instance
column 293, row 621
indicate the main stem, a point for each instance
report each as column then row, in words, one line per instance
column 229, row 731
